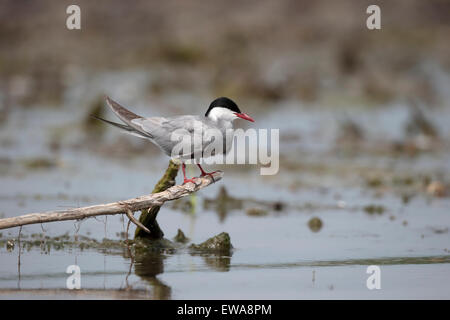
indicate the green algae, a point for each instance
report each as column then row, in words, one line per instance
column 220, row 243
column 148, row 216
column 223, row 203
column 39, row 163
column 180, row 237
column 315, row 224
column 373, row 209
column 256, row 212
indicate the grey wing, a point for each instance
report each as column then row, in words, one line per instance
column 176, row 136
column 127, row 117
column 124, row 127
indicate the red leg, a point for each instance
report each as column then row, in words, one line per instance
column 206, row 173
column 183, row 167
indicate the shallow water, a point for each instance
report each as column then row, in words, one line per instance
column 276, row 254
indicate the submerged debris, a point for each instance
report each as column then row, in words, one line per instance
column 180, row 237
column 220, row 243
column 374, row 209
column 216, row 261
column 374, row 182
column 183, row 204
column 278, row 206
column 39, row 163
column 315, row 224
column 256, row 212
column 439, row 230
column 223, row 203
column 63, row 242
column 406, row 198
column 144, row 245
column 403, row 181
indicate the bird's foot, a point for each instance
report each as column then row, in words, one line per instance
column 211, row 174
column 189, row 180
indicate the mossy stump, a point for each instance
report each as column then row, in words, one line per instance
column 220, row 243
column 148, row 216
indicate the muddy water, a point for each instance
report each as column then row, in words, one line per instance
column 372, row 204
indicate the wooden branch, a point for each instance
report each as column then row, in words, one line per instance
column 137, row 223
column 148, row 216
column 120, row 207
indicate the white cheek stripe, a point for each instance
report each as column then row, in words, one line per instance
column 219, row 113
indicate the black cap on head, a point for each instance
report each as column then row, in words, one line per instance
column 223, row 102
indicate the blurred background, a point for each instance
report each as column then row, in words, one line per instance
column 177, row 56
column 364, row 119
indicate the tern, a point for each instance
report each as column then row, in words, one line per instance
column 219, row 116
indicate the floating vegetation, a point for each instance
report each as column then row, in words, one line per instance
column 217, row 261
column 374, row 182
column 122, row 235
column 374, row 209
column 406, row 198
column 145, row 246
column 439, row 230
column 39, row 163
column 315, row 224
column 182, row 54
column 62, row 242
column 220, row 243
column 180, row 237
column 406, row 186
column 278, row 206
column 403, row 181
column 183, row 205
column 256, row 212
column 223, row 203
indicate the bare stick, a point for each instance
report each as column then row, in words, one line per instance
column 133, row 219
column 139, row 203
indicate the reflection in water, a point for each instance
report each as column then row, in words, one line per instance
column 218, row 262
column 223, row 203
column 148, row 266
column 349, row 262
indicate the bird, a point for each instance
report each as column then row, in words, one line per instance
column 220, row 116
